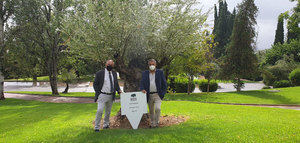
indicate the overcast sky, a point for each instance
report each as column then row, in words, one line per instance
column 266, row 20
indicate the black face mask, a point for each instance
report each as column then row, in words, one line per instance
column 109, row 67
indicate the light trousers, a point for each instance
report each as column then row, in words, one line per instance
column 154, row 108
column 104, row 101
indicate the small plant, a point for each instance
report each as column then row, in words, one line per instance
column 180, row 84
column 203, row 84
column 268, row 78
column 281, row 83
column 236, row 84
column 266, row 87
column 67, row 76
column 295, row 77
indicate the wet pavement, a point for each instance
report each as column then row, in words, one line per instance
column 88, row 87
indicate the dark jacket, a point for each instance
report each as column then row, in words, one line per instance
column 99, row 80
column 160, row 80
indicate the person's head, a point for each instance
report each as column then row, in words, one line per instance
column 109, row 65
column 152, row 64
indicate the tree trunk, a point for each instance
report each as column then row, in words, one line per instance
column 1, row 86
column 208, row 82
column 132, row 77
column 191, row 78
column 53, row 84
column 189, row 86
column 238, row 89
column 1, row 55
column 132, row 80
column 34, row 80
column 67, row 88
column 167, row 73
column 53, row 71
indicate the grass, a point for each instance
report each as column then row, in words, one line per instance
column 41, row 79
column 228, row 81
column 33, row 121
column 285, row 96
column 70, row 94
column 84, row 78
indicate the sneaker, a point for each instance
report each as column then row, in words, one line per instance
column 97, row 130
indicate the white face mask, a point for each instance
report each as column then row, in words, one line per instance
column 152, row 67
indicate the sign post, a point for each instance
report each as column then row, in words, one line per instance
column 133, row 105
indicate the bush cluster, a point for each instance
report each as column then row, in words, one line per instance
column 213, row 85
column 179, row 84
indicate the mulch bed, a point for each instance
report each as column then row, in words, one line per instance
column 121, row 122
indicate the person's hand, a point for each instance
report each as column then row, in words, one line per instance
column 120, row 91
column 144, row 91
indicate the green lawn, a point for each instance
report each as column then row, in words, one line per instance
column 33, row 121
column 285, row 96
column 42, row 78
column 70, row 94
column 84, row 78
column 230, row 81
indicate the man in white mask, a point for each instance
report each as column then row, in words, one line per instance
column 154, row 84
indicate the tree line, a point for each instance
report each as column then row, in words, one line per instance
column 52, row 37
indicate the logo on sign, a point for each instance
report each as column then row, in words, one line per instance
column 133, row 97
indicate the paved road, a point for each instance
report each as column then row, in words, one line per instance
column 87, row 87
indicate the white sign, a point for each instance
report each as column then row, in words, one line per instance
column 133, row 105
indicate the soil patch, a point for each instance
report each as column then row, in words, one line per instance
column 121, row 122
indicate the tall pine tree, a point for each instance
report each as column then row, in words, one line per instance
column 223, row 24
column 279, row 37
column 216, row 19
column 231, row 22
column 240, row 60
column 293, row 24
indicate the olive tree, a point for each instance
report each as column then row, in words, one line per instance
column 130, row 32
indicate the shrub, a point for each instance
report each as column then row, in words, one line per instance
column 180, row 84
column 171, row 83
column 279, row 50
column 281, row 83
column 295, row 77
column 269, row 78
column 266, row 87
column 236, row 84
column 279, row 72
column 213, row 85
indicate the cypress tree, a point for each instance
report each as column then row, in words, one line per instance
column 231, row 22
column 221, row 31
column 216, row 19
column 279, row 37
column 240, row 60
column 293, row 24
column 222, row 28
